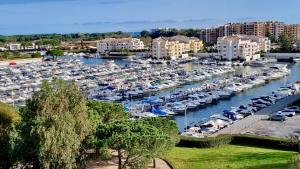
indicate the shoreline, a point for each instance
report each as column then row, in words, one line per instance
column 21, row 61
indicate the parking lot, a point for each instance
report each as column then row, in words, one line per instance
column 275, row 128
column 259, row 124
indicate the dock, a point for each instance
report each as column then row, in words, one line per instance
column 240, row 126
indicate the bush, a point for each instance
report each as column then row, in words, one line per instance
column 36, row 55
column 204, row 142
column 263, row 141
column 248, row 140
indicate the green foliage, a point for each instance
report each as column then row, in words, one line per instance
column 101, row 113
column 286, row 43
column 270, row 36
column 25, row 44
column 171, row 32
column 14, row 55
column 36, row 55
column 204, row 142
column 9, row 116
column 167, row 126
column 105, row 112
column 55, row 39
column 251, row 140
column 52, row 42
column 55, row 52
column 145, row 33
column 135, row 141
column 264, row 141
column 54, row 125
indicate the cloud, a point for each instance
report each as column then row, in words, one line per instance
column 142, row 22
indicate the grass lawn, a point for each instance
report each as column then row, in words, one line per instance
column 229, row 157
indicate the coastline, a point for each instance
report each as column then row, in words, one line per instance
column 21, row 61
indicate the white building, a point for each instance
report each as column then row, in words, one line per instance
column 242, row 47
column 32, row 46
column 175, row 47
column 263, row 42
column 110, row 44
column 14, row 46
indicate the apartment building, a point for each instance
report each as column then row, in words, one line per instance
column 175, row 47
column 293, row 31
column 242, row 47
column 264, row 43
column 110, row 44
column 273, row 28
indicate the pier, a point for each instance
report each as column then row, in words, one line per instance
column 240, row 126
column 290, row 57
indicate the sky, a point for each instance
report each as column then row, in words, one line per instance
column 72, row 16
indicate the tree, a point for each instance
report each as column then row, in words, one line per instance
column 9, row 116
column 55, row 53
column 286, row 43
column 270, row 36
column 102, row 113
column 54, row 125
column 25, row 44
column 36, row 55
column 145, row 33
column 167, row 126
column 136, row 142
column 105, row 112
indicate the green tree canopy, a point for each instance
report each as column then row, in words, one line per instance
column 55, row 53
column 9, row 116
column 54, row 125
column 102, row 113
column 286, row 43
column 105, row 112
column 36, row 55
column 167, row 126
column 136, row 142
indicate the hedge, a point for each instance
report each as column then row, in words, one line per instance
column 204, row 142
column 264, row 141
column 249, row 140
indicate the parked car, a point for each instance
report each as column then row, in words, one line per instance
column 286, row 113
column 296, row 109
column 277, row 117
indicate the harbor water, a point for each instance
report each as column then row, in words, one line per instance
column 237, row 100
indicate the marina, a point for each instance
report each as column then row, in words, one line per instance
column 198, row 88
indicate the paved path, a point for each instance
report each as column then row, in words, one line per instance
column 113, row 164
column 241, row 125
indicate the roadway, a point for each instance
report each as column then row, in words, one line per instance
column 241, row 126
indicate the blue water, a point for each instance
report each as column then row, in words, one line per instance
column 237, row 100
column 242, row 98
column 96, row 61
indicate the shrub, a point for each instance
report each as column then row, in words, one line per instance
column 249, row 140
column 264, row 141
column 204, row 142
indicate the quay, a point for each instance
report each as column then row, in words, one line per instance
column 240, row 126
